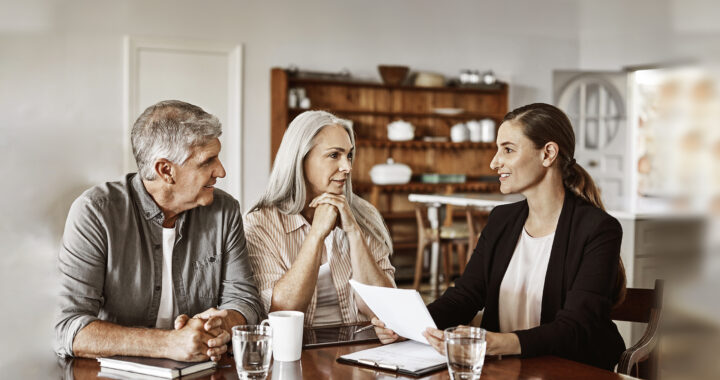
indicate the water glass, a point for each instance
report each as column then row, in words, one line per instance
column 252, row 348
column 465, row 352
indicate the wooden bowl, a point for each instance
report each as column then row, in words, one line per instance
column 393, row 75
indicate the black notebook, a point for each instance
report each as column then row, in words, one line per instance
column 165, row 368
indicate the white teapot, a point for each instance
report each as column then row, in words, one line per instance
column 400, row 131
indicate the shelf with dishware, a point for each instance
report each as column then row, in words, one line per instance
column 371, row 106
column 420, row 144
column 414, row 126
column 300, row 81
column 425, row 187
column 441, row 113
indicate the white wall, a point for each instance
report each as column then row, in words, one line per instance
column 61, row 99
column 618, row 33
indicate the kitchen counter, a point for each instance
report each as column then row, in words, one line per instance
column 655, row 215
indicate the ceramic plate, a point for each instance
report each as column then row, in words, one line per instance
column 448, row 111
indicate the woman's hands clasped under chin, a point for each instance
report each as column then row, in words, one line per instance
column 324, row 219
column 339, row 203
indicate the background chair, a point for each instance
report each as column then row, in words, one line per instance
column 476, row 220
column 452, row 238
column 641, row 305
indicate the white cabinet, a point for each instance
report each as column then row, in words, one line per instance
column 658, row 247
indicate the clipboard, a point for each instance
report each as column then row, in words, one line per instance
column 407, row 358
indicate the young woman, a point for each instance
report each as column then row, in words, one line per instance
column 546, row 270
column 309, row 234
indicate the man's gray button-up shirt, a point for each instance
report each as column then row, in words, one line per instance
column 110, row 261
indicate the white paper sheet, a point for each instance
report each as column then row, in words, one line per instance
column 407, row 355
column 402, row 310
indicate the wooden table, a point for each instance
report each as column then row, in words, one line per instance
column 319, row 363
column 436, row 201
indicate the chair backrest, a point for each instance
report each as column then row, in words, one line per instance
column 476, row 222
column 639, row 304
column 421, row 218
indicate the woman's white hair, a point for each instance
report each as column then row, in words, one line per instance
column 286, row 188
column 170, row 129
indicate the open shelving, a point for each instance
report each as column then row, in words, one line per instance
column 371, row 106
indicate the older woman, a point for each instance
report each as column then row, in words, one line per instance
column 546, row 270
column 309, row 234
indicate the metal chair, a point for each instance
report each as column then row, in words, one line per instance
column 641, row 305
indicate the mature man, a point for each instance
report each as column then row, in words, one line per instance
column 141, row 255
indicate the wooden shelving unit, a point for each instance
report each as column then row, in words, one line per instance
column 419, row 144
column 423, row 187
column 458, row 116
column 372, row 106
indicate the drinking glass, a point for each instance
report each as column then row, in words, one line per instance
column 465, row 352
column 252, row 348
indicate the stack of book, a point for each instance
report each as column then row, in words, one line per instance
column 131, row 367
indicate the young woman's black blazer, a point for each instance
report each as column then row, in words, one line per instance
column 579, row 284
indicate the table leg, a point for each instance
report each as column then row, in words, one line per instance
column 434, row 219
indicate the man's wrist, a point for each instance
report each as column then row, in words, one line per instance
column 165, row 338
column 235, row 318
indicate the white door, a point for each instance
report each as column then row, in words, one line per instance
column 595, row 104
column 206, row 74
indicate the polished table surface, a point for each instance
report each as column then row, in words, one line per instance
column 319, row 363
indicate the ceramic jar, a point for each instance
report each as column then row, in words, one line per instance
column 390, row 173
column 459, row 133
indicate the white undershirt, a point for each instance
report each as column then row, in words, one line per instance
column 521, row 290
column 327, row 310
column 167, row 302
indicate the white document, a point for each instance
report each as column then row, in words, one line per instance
column 402, row 310
column 408, row 355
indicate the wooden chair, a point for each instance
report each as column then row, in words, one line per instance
column 452, row 238
column 641, row 305
column 475, row 223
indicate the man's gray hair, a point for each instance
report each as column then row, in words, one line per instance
column 170, row 129
column 286, row 189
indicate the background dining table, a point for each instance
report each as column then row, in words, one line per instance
column 436, row 202
column 320, row 363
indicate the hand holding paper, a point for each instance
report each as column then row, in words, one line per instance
column 402, row 310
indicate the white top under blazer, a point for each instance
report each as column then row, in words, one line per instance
column 521, row 290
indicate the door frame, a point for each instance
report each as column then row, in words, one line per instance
column 133, row 45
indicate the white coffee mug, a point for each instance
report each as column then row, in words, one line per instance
column 287, row 334
column 287, row 370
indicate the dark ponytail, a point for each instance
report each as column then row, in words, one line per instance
column 579, row 182
column 543, row 123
